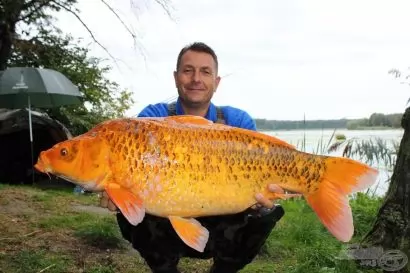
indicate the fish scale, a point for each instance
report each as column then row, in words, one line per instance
column 183, row 167
column 199, row 160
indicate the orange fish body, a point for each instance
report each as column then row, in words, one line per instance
column 183, row 167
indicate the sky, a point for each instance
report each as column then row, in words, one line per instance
column 324, row 59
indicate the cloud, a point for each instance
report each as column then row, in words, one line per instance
column 278, row 59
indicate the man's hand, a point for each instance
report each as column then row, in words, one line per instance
column 265, row 202
column 106, row 202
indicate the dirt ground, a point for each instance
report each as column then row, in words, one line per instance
column 52, row 231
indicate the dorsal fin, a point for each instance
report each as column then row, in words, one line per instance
column 203, row 122
column 269, row 138
column 190, row 119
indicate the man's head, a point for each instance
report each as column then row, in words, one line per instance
column 196, row 75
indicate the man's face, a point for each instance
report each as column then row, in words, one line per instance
column 196, row 78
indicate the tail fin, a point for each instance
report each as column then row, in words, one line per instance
column 343, row 176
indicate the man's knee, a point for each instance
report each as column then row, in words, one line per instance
column 239, row 247
column 152, row 232
column 153, row 240
column 259, row 228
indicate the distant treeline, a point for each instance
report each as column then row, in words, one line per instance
column 376, row 120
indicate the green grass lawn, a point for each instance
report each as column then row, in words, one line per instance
column 57, row 231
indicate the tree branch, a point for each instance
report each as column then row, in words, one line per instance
column 163, row 4
column 87, row 28
column 30, row 4
column 119, row 18
column 134, row 36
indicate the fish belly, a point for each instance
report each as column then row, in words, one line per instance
column 197, row 199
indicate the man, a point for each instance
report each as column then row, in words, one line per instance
column 234, row 240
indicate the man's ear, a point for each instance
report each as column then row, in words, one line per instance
column 217, row 80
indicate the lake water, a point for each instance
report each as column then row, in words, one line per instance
column 314, row 138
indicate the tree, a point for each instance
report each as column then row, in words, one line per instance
column 31, row 13
column 35, row 14
column 391, row 229
column 41, row 44
column 103, row 99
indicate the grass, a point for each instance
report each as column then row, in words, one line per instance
column 57, row 231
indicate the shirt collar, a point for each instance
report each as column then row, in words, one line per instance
column 210, row 115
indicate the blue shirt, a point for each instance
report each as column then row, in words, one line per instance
column 233, row 116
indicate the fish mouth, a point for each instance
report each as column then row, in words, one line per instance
column 40, row 165
column 43, row 165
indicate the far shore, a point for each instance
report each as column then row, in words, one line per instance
column 375, row 128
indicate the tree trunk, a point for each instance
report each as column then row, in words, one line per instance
column 10, row 13
column 391, row 230
column 6, row 33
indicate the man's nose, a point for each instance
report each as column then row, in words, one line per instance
column 196, row 77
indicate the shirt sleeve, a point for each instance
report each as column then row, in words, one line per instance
column 248, row 122
column 154, row 110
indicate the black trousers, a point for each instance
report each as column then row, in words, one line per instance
column 234, row 240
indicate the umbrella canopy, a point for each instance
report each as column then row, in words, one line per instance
column 24, row 87
column 43, row 88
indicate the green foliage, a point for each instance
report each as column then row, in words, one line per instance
column 28, row 15
column 339, row 137
column 300, row 243
column 364, row 208
column 103, row 98
column 27, row 261
column 265, row 124
column 96, row 231
column 373, row 151
column 101, row 233
column 33, row 12
column 30, row 38
column 376, row 120
column 101, row 269
column 74, row 241
column 357, row 124
column 322, row 145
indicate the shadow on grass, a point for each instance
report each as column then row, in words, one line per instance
column 102, row 234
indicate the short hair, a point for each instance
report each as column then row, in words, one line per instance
column 197, row 47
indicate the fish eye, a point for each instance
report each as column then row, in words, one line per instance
column 63, row 152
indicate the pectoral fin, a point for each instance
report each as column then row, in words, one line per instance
column 127, row 202
column 191, row 232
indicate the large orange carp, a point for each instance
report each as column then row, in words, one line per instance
column 182, row 167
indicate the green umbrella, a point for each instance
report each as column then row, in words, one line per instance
column 26, row 87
